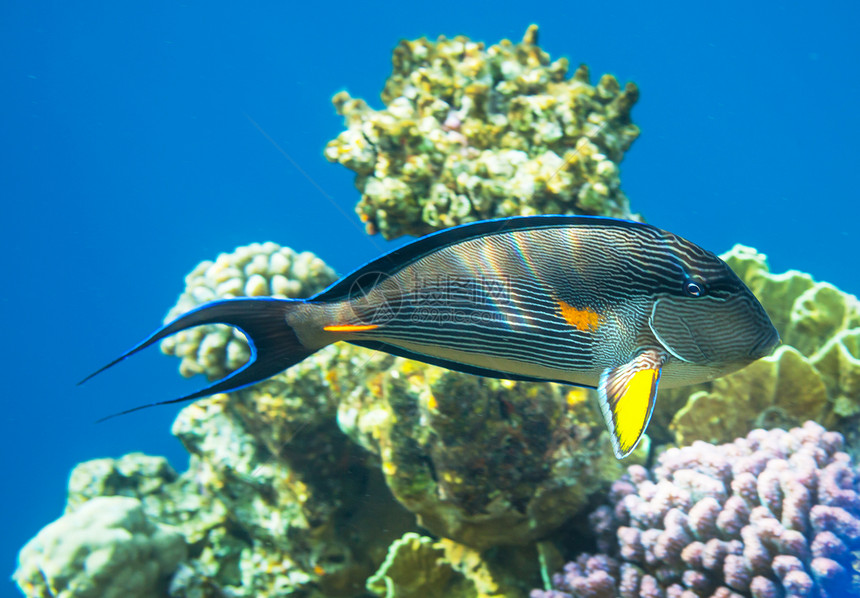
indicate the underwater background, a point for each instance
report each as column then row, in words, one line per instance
column 139, row 141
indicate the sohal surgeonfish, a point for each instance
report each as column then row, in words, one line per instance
column 610, row 304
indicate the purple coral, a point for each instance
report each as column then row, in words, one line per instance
column 775, row 514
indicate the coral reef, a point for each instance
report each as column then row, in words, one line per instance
column 420, row 567
column 814, row 375
column 280, row 469
column 776, row 513
column 307, row 483
column 470, row 133
column 257, row 523
column 484, row 462
column 107, row 548
column 535, row 453
column 777, row 391
column 415, row 567
column 256, row 270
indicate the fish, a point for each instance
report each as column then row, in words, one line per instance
column 616, row 305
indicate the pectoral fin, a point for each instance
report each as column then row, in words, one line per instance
column 627, row 394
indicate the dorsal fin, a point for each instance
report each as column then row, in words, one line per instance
column 396, row 260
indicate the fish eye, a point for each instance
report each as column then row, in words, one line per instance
column 693, row 288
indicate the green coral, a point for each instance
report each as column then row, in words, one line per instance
column 814, row 375
column 419, row 566
column 106, row 548
column 838, row 361
column 470, row 133
column 772, row 392
column 481, row 461
column 415, row 568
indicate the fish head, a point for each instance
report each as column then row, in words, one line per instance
column 707, row 316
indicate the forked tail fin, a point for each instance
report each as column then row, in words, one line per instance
column 273, row 342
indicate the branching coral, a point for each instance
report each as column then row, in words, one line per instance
column 776, row 513
column 470, row 133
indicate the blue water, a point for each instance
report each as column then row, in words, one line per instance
column 130, row 153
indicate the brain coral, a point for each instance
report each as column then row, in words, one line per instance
column 470, row 133
column 774, row 514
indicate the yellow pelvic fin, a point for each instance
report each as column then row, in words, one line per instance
column 627, row 396
column 350, row 327
column 585, row 319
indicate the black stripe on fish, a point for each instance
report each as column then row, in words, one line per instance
column 452, row 365
column 402, row 257
column 584, row 294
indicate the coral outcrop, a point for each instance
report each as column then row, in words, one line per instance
column 470, row 133
column 260, row 519
column 106, row 548
column 484, row 462
column 774, row 514
column 420, row 567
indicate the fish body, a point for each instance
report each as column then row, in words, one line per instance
column 611, row 304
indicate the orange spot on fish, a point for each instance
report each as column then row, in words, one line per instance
column 585, row 319
column 350, row 327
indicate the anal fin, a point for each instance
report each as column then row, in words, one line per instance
column 627, row 393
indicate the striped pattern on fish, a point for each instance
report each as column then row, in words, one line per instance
column 612, row 304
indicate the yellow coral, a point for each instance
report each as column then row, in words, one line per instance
column 449, row 103
column 779, row 390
